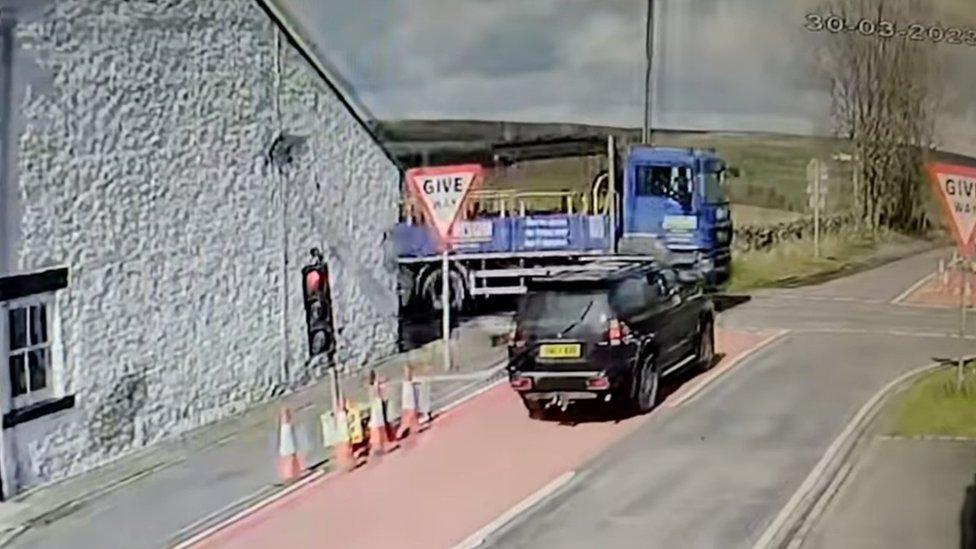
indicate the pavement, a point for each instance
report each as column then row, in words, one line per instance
column 903, row 493
column 173, row 489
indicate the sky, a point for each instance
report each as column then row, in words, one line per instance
column 723, row 65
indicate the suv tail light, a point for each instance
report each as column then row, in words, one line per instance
column 617, row 331
column 521, row 383
column 598, row 383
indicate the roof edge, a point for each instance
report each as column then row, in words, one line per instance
column 293, row 35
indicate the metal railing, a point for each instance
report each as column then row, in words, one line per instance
column 510, row 202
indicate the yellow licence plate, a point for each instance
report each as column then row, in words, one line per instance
column 571, row 350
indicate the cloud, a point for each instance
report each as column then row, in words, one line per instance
column 719, row 64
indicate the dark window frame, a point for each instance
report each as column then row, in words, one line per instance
column 17, row 291
column 28, row 347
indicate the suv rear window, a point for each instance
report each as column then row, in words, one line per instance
column 551, row 312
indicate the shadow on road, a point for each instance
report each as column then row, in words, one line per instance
column 967, row 519
column 724, row 302
column 419, row 327
column 601, row 412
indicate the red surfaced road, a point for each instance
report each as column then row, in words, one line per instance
column 473, row 464
column 943, row 293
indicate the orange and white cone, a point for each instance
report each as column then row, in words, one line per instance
column 289, row 464
column 379, row 434
column 409, row 418
column 342, row 451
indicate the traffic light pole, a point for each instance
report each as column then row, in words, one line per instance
column 446, row 310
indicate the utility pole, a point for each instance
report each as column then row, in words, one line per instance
column 7, row 25
column 649, row 57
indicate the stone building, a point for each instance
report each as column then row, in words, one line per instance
column 165, row 167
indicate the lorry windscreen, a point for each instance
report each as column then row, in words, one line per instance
column 667, row 182
column 548, row 313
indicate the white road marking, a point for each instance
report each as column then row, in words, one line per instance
column 452, row 405
column 911, row 289
column 715, row 373
column 479, row 537
column 841, row 299
column 862, row 331
column 254, row 508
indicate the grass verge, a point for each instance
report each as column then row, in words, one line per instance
column 793, row 263
column 933, row 407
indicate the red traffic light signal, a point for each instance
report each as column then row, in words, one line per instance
column 313, row 281
column 318, row 308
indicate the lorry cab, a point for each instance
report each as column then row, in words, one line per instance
column 677, row 196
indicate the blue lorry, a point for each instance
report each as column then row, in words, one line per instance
column 661, row 200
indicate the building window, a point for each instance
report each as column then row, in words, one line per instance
column 29, row 353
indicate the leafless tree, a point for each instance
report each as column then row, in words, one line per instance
column 884, row 100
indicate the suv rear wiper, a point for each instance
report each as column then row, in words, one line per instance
column 578, row 320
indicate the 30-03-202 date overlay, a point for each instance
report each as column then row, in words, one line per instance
column 919, row 32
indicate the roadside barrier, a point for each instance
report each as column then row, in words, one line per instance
column 949, row 275
column 409, row 415
column 335, row 430
column 380, row 441
column 289, row 464
column 355, row 433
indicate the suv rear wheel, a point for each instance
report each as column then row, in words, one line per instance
column 705, row 354
column 647, row 384
column 537, row 409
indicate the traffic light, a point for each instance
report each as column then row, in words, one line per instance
column 318, row 308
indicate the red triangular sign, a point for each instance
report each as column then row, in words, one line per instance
column 956, row 187
column 442, row 191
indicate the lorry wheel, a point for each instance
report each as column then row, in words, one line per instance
column 432, row 290
column 705, row 355
column 405, row 288
column 647, row 383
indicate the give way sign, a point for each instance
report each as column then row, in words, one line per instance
column 956, row 187
column 442, row 191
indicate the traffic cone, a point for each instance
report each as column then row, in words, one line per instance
column 342, row 451
column 379, row 434
column 289, row 464
column 409, row 419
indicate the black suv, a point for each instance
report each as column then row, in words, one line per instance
column 608, row 331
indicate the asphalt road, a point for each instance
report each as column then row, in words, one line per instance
column 716, row 472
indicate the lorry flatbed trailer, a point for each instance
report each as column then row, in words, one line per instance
column 662, row 200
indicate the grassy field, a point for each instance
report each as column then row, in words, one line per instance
column 794, row 261
column 774, row 167
column 932, row 406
